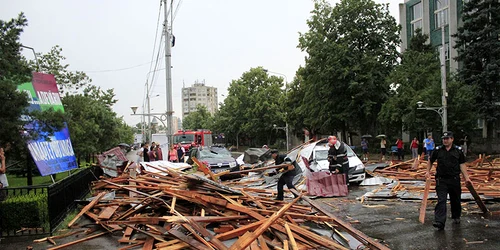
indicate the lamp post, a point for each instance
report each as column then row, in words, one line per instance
column 285, row 128
column 441, row 112
column 286, row 123
column 159, row 117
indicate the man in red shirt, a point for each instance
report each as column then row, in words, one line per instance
column 414, row 148
column 399, row 144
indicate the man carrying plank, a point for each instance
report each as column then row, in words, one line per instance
column 288, row 172
column 450, row 162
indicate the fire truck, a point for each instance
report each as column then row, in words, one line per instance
column 190, row 138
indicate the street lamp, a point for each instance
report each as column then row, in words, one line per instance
column 286, row 123
column 285, row 128
column 158, row 116
column 439, row 110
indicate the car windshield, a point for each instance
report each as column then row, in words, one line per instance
column 183, row 139
column 213, row 152
column 321, row 155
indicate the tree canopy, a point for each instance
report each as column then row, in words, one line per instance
column 199, row 119
column 351, row 48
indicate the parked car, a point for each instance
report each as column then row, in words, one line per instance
column 218, row 159
column 320, row 162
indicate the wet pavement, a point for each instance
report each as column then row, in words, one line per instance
column 394, row 222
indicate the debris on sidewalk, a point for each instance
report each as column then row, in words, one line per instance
column 165, row 208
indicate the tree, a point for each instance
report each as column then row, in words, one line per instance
column 478, row 45
column 199, row 119
column 69, row 82
column 93, row 126
column 13, row 71
column 252, row 107
column 351, row 48
column 417, row 78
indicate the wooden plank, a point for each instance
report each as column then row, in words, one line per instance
column 86, row 208
column 239, row 231
column 476, row 197
column 187, row 239
column 203, row 231
column 107, row 212
column 346, row 226
column 172, row 207
column 423, row 206
column 325, row 242
column 262, row 243
column 290, row 237
column 148, row 245
column 244, row 242
column 77, row 241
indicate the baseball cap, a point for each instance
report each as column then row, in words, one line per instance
column 447, row 134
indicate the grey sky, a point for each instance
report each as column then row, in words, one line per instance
column 216, row 41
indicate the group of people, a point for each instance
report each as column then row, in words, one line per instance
column 154, row 153
column 150, row 153
column 429, row 146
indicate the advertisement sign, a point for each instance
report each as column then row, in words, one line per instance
column 55, row 153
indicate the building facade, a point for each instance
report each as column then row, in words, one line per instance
column 199, row 94
column 432, row 16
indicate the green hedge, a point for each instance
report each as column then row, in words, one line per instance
column 28, row 211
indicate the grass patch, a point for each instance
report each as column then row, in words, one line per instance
column 20, row 181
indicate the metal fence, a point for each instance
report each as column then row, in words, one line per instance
column 61, row 198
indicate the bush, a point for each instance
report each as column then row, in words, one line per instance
column 28, row 211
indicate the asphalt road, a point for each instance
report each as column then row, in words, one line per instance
column 396, row 224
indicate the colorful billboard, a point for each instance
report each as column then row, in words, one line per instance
column 55, row 153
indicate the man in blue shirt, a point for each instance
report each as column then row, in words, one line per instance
column 429, row 145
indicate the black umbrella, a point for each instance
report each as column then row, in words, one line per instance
column 123, row 145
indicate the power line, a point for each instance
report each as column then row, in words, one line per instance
column 121, row 69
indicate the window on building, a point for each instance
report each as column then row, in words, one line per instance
column 416, row 17
column 446, row 51
column 441, row 13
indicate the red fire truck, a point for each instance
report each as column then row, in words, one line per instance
column 190, row 138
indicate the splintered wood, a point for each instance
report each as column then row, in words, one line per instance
column 174, row 210
column 484, row 174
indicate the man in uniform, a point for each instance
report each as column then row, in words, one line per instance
column 450, row 162
column 337, row 155
column 288, row 171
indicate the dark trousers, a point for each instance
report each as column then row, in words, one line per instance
column 443, row 188
column 401, row 154
column 345, row 168
column 285, row 179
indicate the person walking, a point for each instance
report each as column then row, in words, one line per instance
column 383, row 150
column 450, row 162
column 3, row 177
column 337, row 156
column 145, row 152
column 288, row 172
column 414, row 148
column 172, row 154
column 180, row 152
column 400, row 146
column 364, row 146
column 429, row 145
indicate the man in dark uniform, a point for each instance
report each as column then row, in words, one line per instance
column 337, row 156
column 288, row 171
column 450, row 162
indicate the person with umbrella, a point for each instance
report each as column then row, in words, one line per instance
column 383, row 143
column 364, row 146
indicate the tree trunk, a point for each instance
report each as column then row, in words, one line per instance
column 29, row 169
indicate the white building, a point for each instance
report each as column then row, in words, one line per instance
column 198, row 93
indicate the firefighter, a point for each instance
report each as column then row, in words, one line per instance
column 337, row 156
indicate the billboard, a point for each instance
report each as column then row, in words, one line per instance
column 55, row 153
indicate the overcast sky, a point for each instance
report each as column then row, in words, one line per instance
column 216, row 41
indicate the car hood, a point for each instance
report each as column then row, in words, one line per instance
column 215, row 161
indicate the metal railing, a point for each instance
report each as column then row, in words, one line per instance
column 61, row 198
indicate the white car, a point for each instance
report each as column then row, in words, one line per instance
column 320, row 162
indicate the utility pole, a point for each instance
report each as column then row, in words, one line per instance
column 168, row 71
column 443, row 78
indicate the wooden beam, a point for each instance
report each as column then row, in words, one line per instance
column 77, row 241
column 346, row 226
column 476, row 197
column 189, row 240
column 423, row 206
column 244, row 242
column 290, row 237
column 86, row 208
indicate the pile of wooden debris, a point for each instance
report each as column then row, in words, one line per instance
column 169, row 209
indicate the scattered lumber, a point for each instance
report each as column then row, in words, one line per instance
column 174, row 210
column 423, row 207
